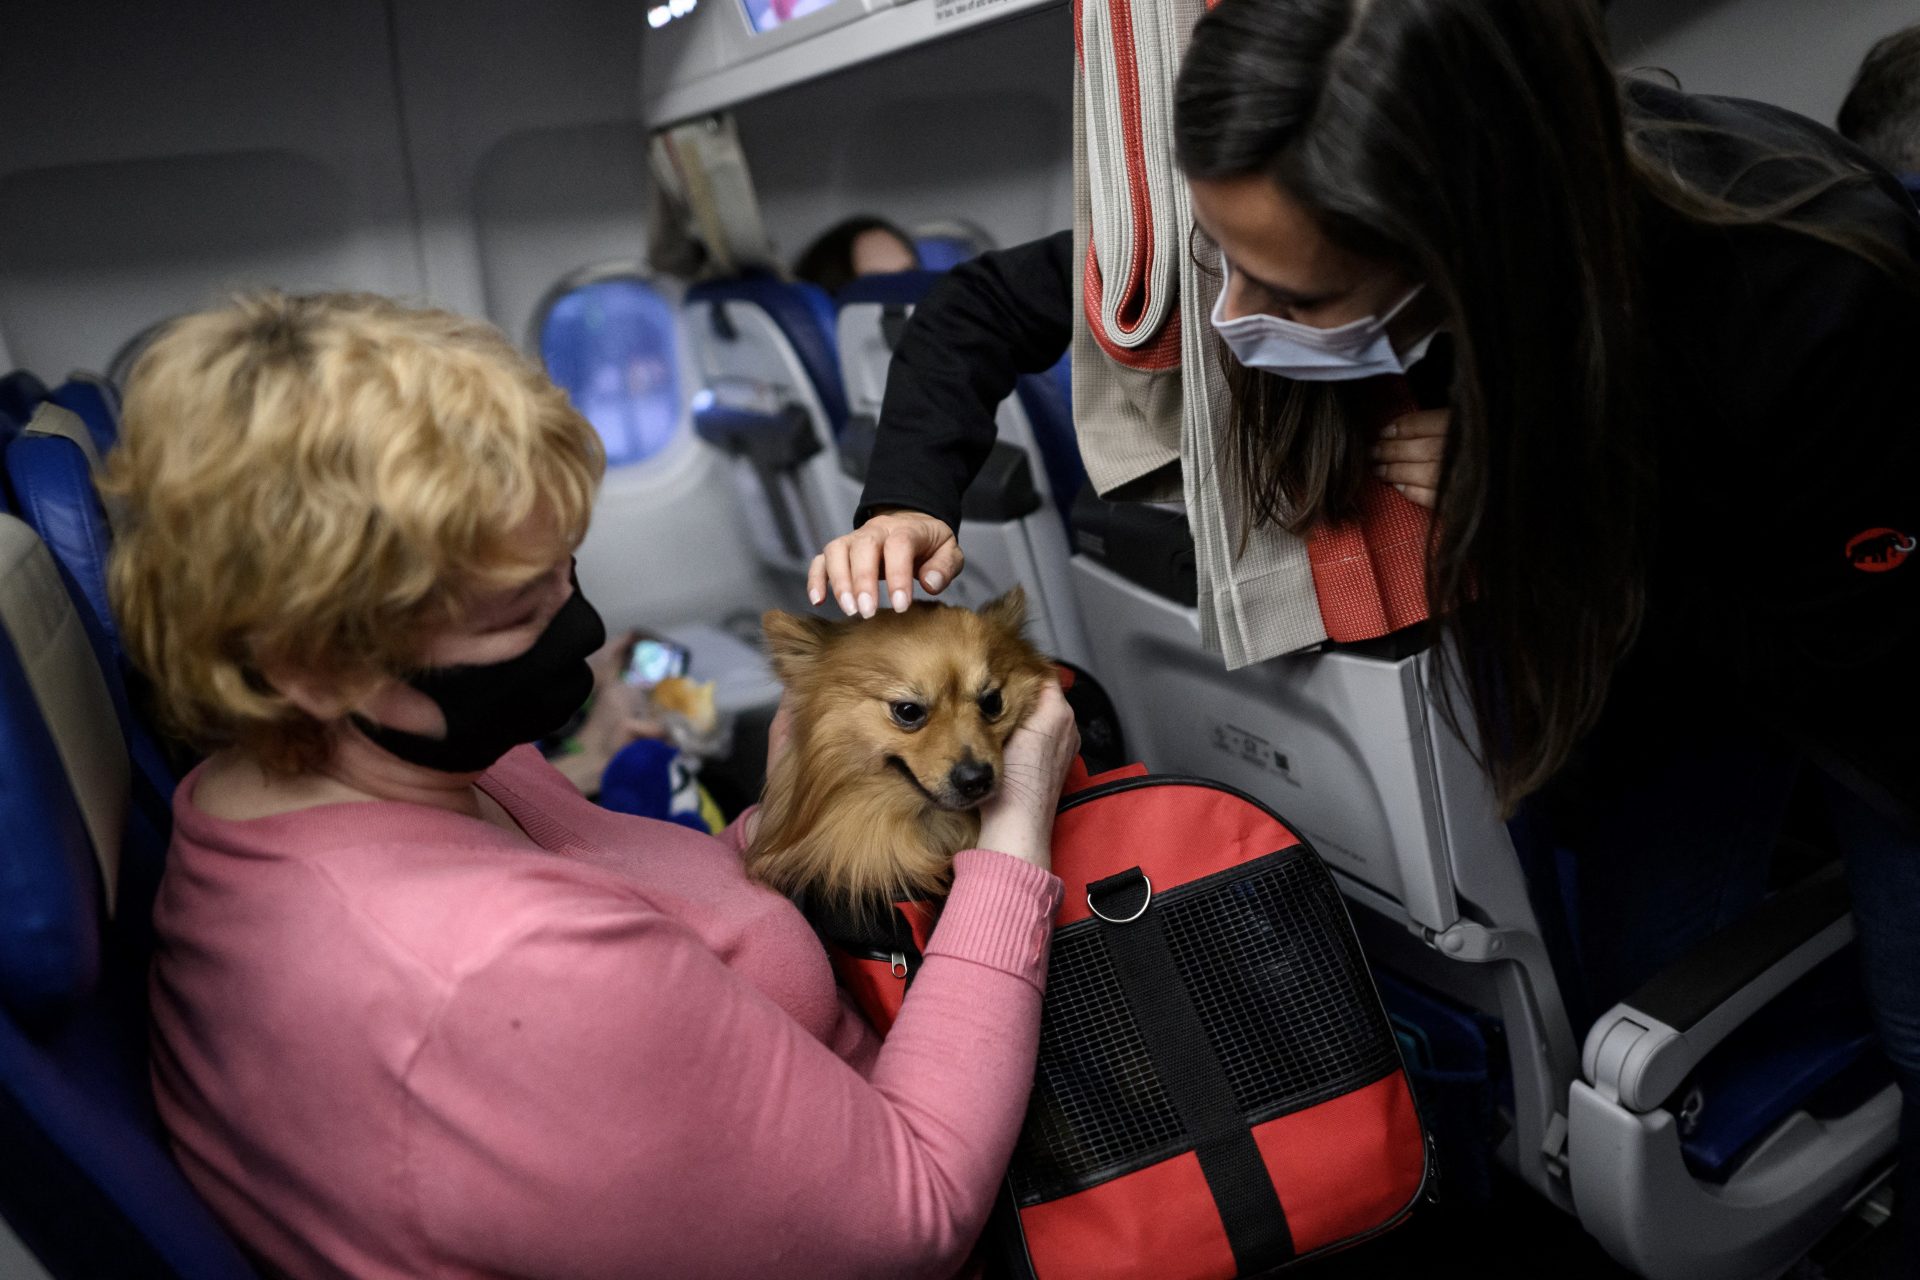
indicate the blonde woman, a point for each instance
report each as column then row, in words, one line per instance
column 418, row 1007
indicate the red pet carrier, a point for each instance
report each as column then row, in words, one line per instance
column 1218, row 1092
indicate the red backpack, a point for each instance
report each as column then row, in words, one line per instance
column 1218, row 1092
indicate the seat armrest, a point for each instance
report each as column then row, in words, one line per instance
column 1644, row 1047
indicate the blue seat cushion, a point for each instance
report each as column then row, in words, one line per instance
column 943, row 253
column 804, row 313
column 88, row 1183
column 50, row 894
column 1048, row 399
column 52, row 484
column 92, row 401
column 1815, row 1037
column 892, row 289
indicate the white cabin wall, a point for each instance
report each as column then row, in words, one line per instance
column 466, row 152
column 152, row 157
column 1798, row 54
column 977, row 127
column 523, row 129
column 530, row 163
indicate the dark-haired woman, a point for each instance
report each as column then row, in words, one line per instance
column 859, row 246
column 1664, row 346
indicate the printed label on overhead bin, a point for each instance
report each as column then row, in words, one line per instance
column 947, row 10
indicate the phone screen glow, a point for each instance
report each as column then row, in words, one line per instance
column 654, row 661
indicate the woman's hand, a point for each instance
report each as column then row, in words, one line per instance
column 900, row 545
column 1018, row 820
column 1407, row 455
column 612, row 721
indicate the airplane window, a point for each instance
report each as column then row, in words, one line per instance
column 610, row 343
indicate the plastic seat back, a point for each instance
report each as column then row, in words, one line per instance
column 87, row 1183
column 1016, row 533
column 97, row 403
column 771, row 399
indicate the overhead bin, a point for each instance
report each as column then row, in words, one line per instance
column 703, row 56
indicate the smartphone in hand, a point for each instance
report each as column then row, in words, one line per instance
column 653, row 661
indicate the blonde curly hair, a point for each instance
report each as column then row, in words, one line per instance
column 314, row 483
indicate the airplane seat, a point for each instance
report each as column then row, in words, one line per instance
column 50, row 470
column 1718, row 1119
column 1015, row 532
column 771, row 399
column 88, row 1186
column 945, row 244
column 1047, row 399
column 97, row 403
column 943, row 252
column 51, row 466
column 20, row 391
column 871, row 313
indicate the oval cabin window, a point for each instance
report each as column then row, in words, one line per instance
column 610, row 344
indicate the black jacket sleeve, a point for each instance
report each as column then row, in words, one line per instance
column 1004, row 314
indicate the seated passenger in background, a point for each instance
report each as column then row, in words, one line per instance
column 1881, row 115
column 860, row 246
column 418, row 1007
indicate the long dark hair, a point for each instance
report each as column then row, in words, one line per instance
column 1483, row 147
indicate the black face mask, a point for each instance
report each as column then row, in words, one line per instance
column 494, row 708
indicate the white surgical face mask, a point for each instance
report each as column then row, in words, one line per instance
column 1361, row 349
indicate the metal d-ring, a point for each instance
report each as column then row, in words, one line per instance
column 1144, row 904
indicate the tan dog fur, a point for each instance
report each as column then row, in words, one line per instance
column 841, row 820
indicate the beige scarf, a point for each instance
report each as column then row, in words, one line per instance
column 1148, row 385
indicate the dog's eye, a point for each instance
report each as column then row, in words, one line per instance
column 908, row 715
column 991, row 704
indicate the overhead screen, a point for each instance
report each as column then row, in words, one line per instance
column 765, row 15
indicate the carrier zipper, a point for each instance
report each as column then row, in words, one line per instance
column 901, row 963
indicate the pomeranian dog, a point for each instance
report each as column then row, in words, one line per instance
column 898, row 728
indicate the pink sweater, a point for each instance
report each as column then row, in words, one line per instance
column 395, row 1041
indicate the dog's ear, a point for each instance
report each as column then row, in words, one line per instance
column 794, row 641
column 1009, row 612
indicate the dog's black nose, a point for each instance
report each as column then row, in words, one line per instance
column 970, row 779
